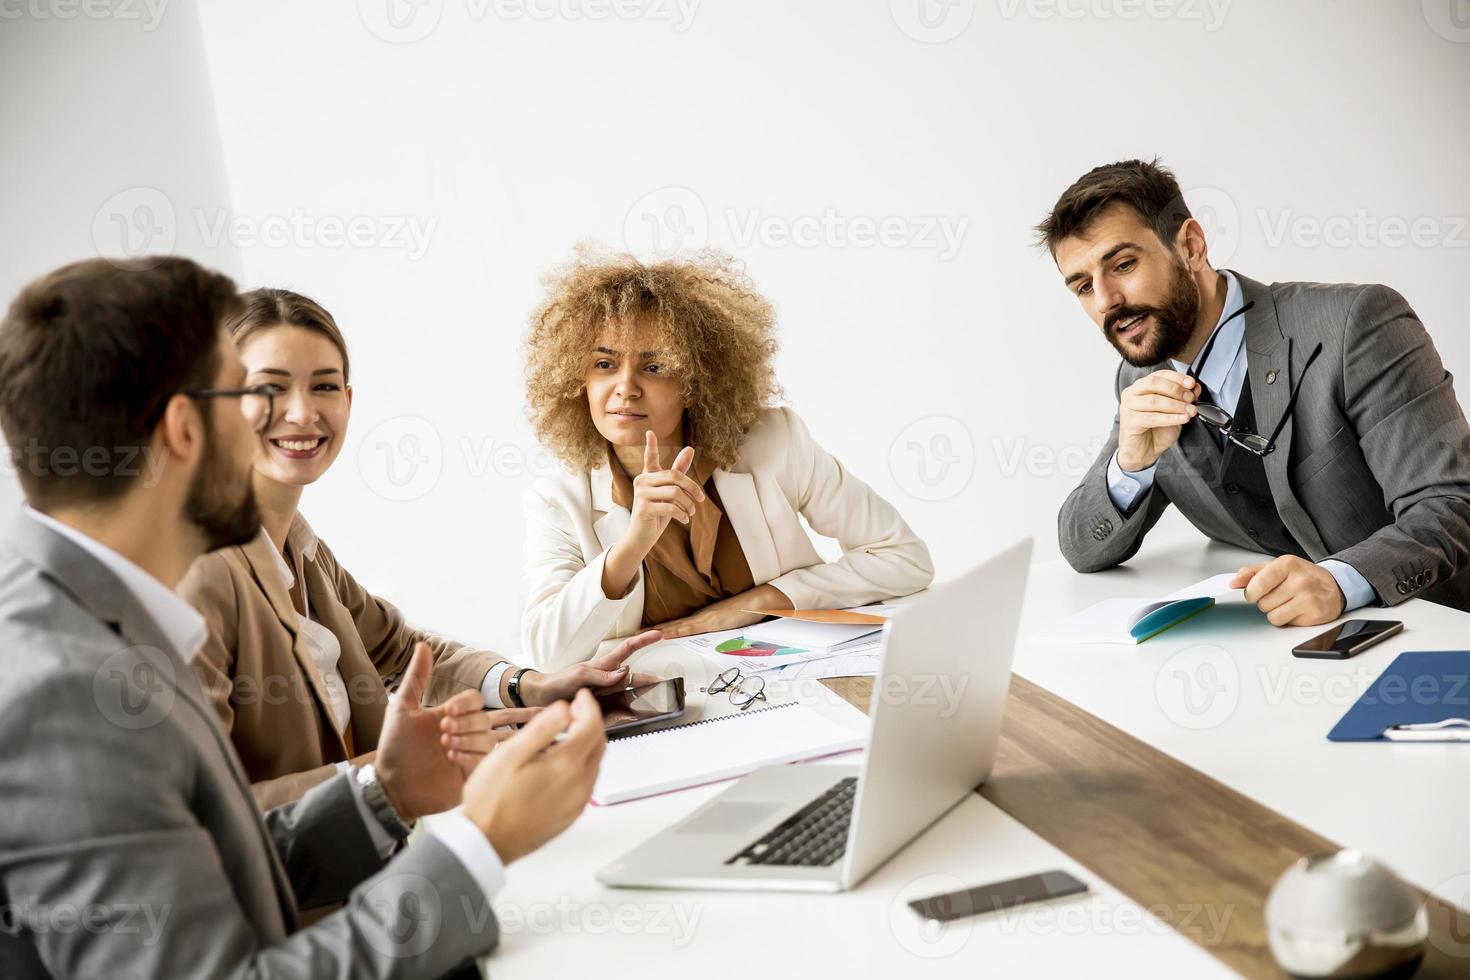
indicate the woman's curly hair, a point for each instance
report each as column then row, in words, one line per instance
column 716, row 334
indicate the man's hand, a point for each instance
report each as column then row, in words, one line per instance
column 602, row 675
column 728, row 614
column 532, row 787
column 418, row 772
column 1151, row 413
column 1291, row 591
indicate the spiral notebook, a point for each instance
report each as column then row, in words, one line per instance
column 717, row 748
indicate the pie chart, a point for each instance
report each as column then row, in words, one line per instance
column 739, row 646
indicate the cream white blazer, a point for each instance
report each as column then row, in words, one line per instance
column 571, row 521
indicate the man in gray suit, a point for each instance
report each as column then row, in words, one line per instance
column 130, row 843
column 1312, row 422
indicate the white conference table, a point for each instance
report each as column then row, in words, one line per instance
column 556, row 920
column 1220, row 692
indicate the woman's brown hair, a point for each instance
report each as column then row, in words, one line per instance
column 266, row 308
column 714, row 332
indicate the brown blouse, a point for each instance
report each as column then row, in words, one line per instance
column 691, row 565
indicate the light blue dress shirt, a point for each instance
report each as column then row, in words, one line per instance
column 1224, row 378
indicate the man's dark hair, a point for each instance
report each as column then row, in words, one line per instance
column 1148, row 188
column 90, row 355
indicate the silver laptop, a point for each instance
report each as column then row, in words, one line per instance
column 935, row 723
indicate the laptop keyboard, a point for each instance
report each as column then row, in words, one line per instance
column 814, row 836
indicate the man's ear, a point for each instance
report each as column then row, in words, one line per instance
column 180, row 433
column 1193, row 248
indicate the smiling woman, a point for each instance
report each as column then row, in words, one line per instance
column 683, row 502
column 300, row 657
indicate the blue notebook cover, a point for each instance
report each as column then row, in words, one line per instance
column 1419, row 687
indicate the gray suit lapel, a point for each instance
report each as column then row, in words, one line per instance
column 1270, row 372
column 88, row 581
column 97, row 590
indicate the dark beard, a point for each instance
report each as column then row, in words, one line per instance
column 1174, row 323
column 209, row 507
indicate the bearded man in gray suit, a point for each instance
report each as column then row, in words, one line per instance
column 1314, row 423
column 131, row 844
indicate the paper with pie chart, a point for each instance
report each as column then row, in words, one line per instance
column 789, row 640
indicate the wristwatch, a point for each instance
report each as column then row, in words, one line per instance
column 377, row 800
column 513, row 688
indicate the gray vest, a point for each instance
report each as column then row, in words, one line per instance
column 1237, row 478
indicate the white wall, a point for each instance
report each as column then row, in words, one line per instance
column 107, row 135
column 470, row 143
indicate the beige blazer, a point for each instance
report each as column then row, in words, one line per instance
column 782, row 476
column 257, row 669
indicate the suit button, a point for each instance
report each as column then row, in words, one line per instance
column 1232, row 488
column 1253, row 533
column 1403, row 589
column 1107, row 526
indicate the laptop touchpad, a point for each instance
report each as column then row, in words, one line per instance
column 723, row 818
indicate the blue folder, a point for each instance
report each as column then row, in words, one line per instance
column 1419, row 687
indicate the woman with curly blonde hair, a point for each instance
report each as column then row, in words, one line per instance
column 681, row 505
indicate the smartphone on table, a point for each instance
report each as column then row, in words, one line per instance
column 645, row 704
column 1348, row 639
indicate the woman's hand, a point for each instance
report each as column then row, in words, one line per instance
column 659, row 496
column 728, row 614
column 602, row 675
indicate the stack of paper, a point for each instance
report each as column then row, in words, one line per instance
column 717, row 748
column 795, row 637
column 1135, row 620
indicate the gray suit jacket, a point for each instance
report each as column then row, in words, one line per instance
column 130, row 843
column 1372, row 469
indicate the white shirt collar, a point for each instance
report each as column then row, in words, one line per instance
column 303, row 541
column 1227, row 344
column 183, row 627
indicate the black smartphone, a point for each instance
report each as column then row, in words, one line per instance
column 1000, row 895
column 634, row 707
column 1348, row 639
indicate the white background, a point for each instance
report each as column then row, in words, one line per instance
column 470, row 144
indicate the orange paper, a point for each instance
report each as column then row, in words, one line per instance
column 837, row 616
